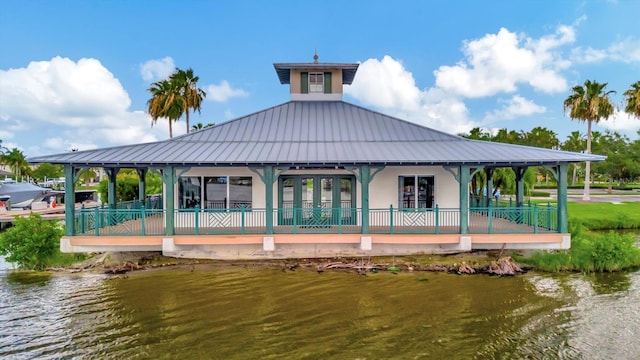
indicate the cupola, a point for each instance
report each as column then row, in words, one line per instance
column 316, row 81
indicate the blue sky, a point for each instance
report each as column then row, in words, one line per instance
column 75, row 74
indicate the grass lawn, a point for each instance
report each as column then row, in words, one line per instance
column 598, row 216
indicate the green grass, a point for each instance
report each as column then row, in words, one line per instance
column 605, row 216
column 590, row 252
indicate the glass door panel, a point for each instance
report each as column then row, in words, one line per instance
column 287, row 201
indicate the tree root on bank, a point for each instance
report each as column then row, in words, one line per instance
column 504, row 266
column 122, row 268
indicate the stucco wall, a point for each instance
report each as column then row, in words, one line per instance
column 383, row 190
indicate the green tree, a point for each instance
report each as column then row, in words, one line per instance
column 31, row 242
column 47, row 170
column 16, row 161
column 127, row 185
column 589, row 103
column 632, row 100
column 188, row 94
column 200, row 126
column 164, row 104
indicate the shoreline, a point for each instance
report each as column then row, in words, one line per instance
column 480, row 262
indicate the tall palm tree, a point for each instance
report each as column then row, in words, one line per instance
column 200, row 126
column 17, row 162
column 575, row 142
column 632, row 100
column 590, row 103
column 163, row 103
column 188, row 93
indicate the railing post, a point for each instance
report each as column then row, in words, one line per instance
column 548, row 216
column 96, row 219
column 295, row 220
column 82, row 220
column 340, row 219
column 143, row 217
column 242, row 220
column 535, row 218
column 197, row 220
column 391, row 219
column 437, row 219
column 490, row 223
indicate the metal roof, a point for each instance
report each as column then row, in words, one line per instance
column 284, row 70
column 316, row 133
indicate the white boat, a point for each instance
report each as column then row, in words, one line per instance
column 22, row 194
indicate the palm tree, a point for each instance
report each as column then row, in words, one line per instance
column 589, row 103
column 16, row 161
column 632, row 100
column 163, row 103
column 575, row 142
column 190, row 96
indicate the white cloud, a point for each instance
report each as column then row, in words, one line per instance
column 621, row 121
column 515, row 107
column 498, row 62
column 54, row 106
column 386, row 85
column 223, row 92
column 626, row 51
column 154, row 70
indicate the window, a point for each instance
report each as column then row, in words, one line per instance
column 316, row 82
column 189, row 190
column 415, row 192
column 220, row 192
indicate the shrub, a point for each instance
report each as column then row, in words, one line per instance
column 32, row 242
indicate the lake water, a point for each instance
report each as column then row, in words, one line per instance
column 239, row 312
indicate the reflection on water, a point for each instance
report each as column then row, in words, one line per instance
column 240, row 313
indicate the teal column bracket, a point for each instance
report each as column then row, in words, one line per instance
column 456, row 175
column 142, row 185
column 465, row 177
column 169, row 179
column 268, row 176
column 69, row 199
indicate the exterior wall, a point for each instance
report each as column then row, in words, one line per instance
column 336, row 80
column 383, row 189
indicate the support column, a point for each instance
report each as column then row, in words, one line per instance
column 365, row 179
column 464, row 178
column 268, row 179
column 142, row 185
column 169, row 180
column 519, row 185
column 112, row 173
column 69, row 200
column 563, row 218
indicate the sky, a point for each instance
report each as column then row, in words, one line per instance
column 75, row 74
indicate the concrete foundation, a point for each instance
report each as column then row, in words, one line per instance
column 287, row 246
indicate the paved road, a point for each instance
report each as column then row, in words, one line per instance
column 599, row 195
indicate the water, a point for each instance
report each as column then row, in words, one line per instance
column 251, row 312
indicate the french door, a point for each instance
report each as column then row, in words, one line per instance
column 316, row 199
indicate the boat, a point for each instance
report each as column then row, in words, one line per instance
column 22, row 194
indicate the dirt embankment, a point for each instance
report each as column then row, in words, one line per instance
column 464, row 263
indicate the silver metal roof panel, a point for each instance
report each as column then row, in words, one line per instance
column 315, row 132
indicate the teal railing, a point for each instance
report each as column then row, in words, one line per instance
column 138, row 220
